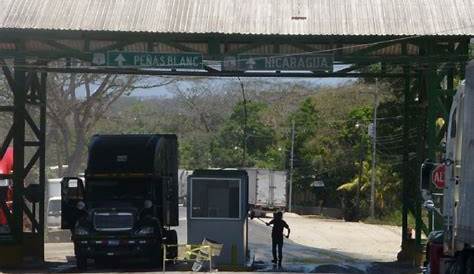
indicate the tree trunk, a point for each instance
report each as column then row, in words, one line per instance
column 75, row 159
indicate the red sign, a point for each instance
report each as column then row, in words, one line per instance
column 437, row 177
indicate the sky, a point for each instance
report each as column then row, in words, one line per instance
column 164, row 90
column 316, row 82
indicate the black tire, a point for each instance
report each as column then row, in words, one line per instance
column 156, row 259
column 103, row 262
column 81, row 262
column 458, row 267
column 171, row 239
column 469, row 265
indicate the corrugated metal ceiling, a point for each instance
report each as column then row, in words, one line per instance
column 266, row 17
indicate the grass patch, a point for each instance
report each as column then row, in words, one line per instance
column 317, row 217
column 394, row 218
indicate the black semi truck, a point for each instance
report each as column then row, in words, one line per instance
column 128, row 200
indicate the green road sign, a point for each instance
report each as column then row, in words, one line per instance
column 302, row 62
column 148, row 60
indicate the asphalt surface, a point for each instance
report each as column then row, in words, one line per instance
column 297, row 257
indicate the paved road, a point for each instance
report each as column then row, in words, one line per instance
column 298, row 256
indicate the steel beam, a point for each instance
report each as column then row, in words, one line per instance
column 335, row 74
column 407, row 97
column 42, row 159
column 19, row 115
column 29, row 89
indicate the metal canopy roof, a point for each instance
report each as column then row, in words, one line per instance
column 248, row 17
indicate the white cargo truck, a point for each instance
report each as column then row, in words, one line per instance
column 183, row 185
column 267, row 190
column 453, row 250
column 53, row 210
column 53, row 192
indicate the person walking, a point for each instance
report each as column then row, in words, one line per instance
column 277, row 236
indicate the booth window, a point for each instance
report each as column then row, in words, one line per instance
column 215, row 198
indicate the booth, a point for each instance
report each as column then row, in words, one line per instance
column 217, row 211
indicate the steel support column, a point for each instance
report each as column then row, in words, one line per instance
column 19, row 103
column 436, row 91
column 406, row 165
column 26, row 236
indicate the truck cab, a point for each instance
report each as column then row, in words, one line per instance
column 127, row 201
column 6, row 190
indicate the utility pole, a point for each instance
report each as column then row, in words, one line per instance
column 291, row 165
column 244, row 143
column 374, row 150
column 361, row 168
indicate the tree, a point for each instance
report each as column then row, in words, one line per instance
column 243, row 130
column 73, row 115
column 201, row 108
column 306, row 120
column 387, row 187
column 322, row 153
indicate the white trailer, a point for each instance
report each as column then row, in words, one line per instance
column 183, row 185
column 54, row 187
column 53, row 211
column 267, row 190
column 458, row 193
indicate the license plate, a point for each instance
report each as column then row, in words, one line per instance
column 113, row 242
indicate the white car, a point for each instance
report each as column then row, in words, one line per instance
column 54, row 213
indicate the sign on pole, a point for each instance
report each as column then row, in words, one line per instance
column 148, row 60
column 437, row 176
column 370, row 130
column 317, row 184
column 301, row 62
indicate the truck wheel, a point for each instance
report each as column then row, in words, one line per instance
column 459, row 265
column 469, row 266
column 81, row 262
column 156, row 259
column 171, row 239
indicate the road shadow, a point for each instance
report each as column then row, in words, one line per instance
column 115, row 266
column 306, row 259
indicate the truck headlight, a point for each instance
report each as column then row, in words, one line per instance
column 147, row 230
column 81, row 231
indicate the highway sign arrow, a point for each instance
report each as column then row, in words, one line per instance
column 251, row 63
column 120, row 60
column 184, row 60
column 302, row 62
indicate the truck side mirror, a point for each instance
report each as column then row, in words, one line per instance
column 429, row 205
column 72, row 192
column 425, row 175
column 33, row 193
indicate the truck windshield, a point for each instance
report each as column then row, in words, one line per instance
column 118, row 190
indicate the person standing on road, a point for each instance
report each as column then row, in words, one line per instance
column 277, row 236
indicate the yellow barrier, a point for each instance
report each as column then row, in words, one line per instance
column 196, row 253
